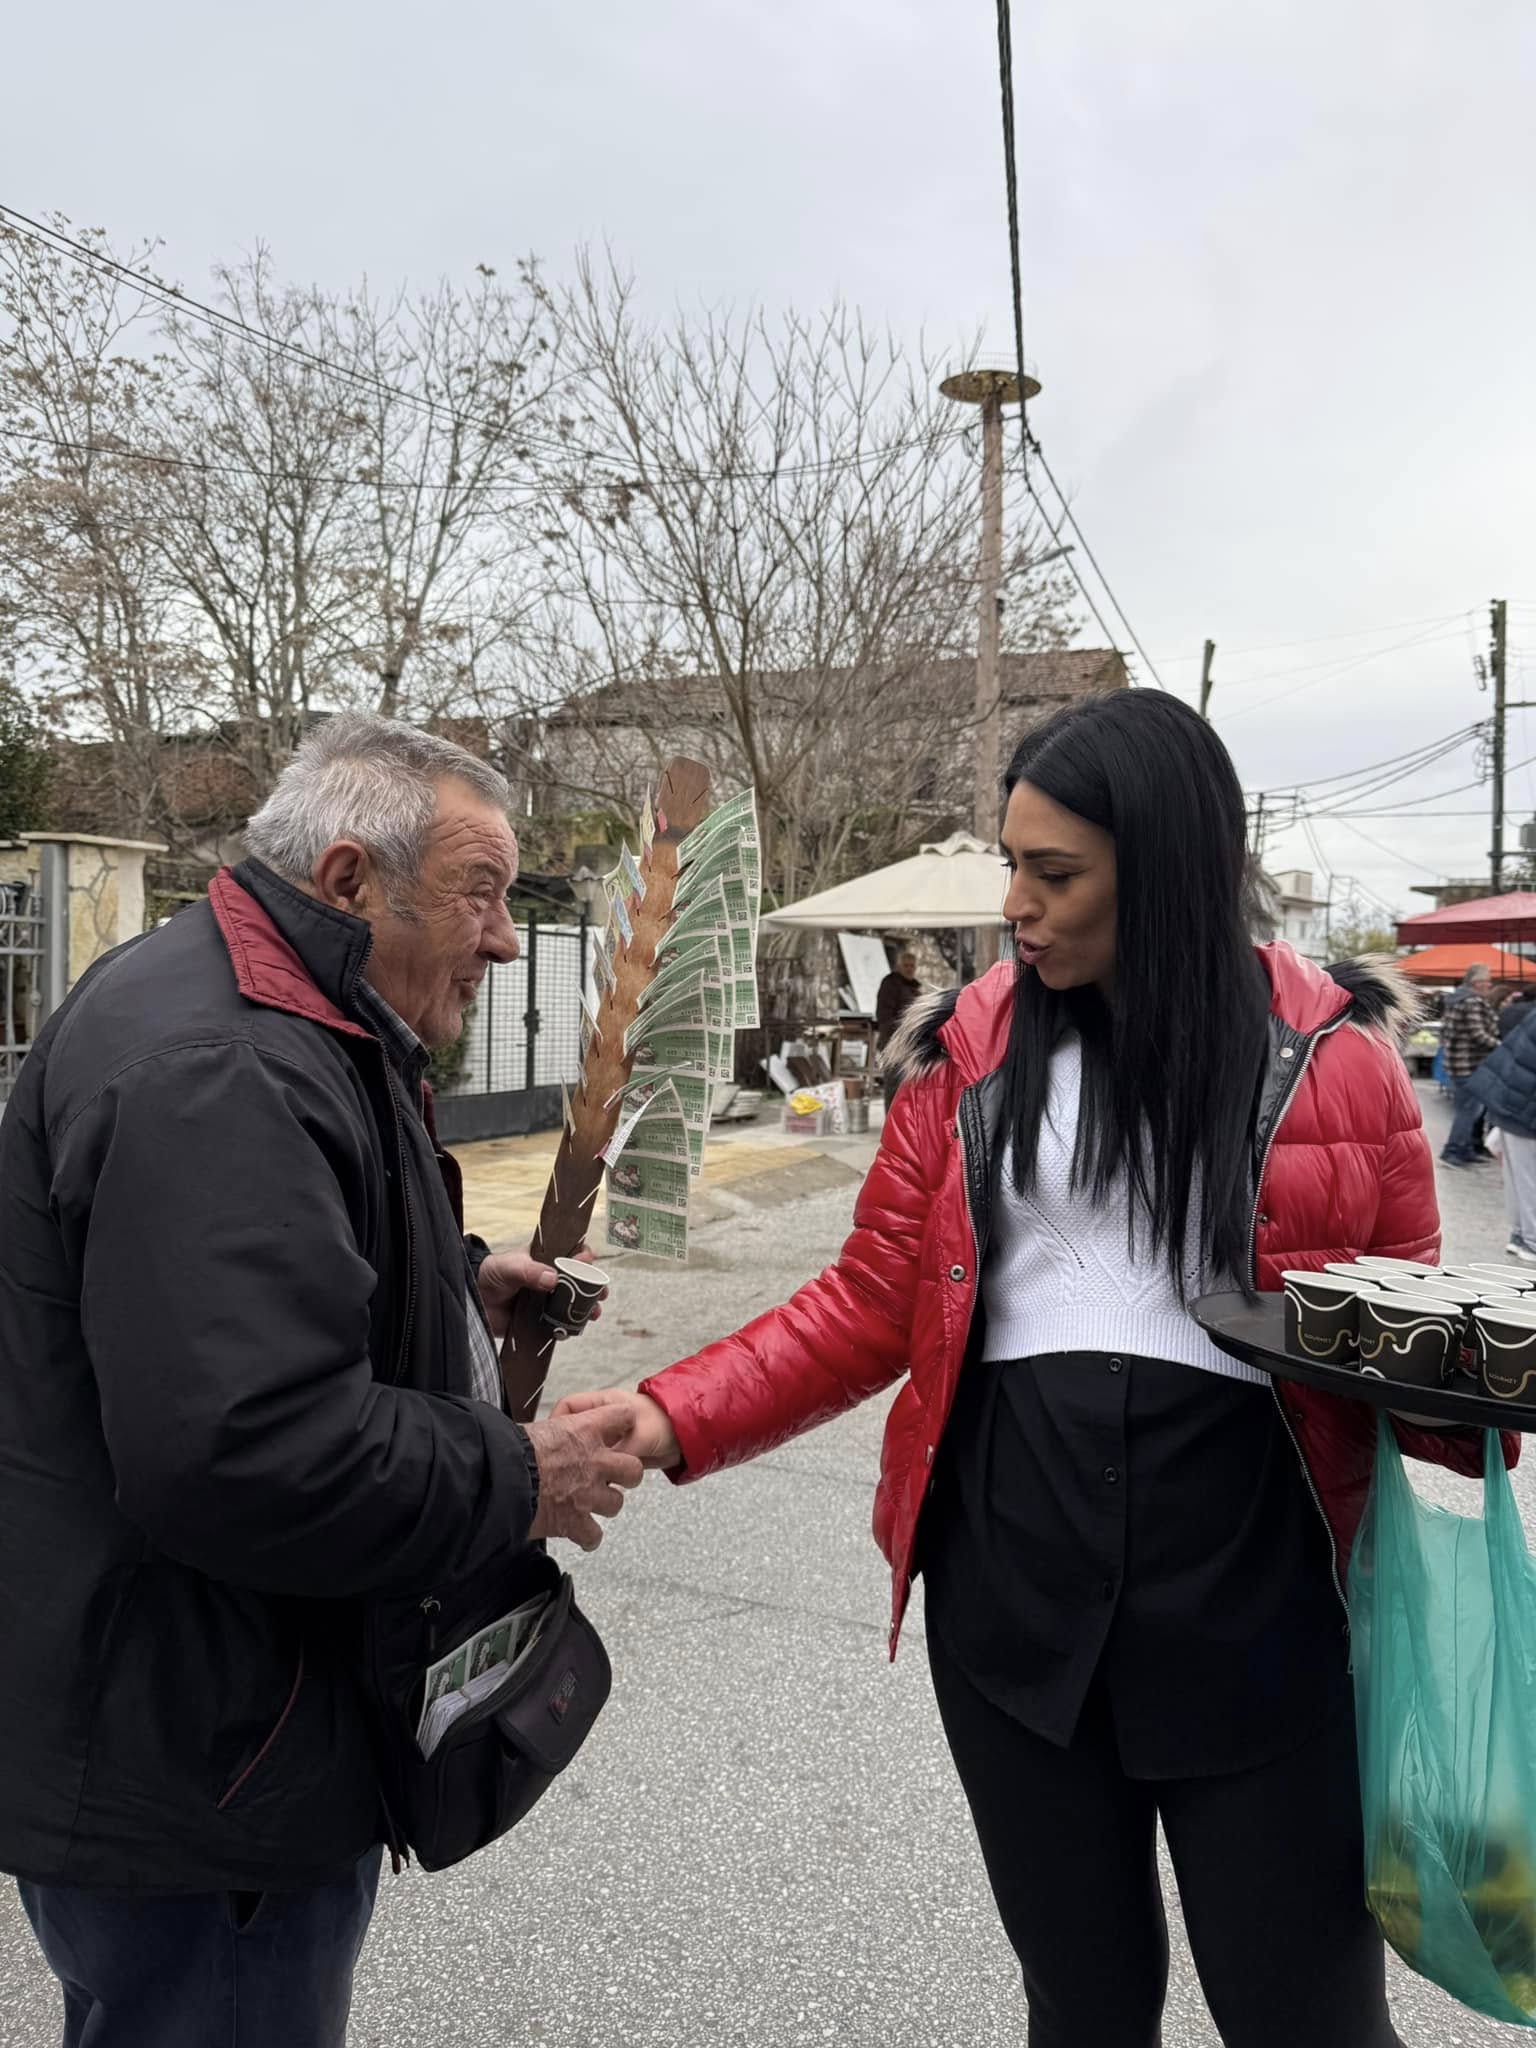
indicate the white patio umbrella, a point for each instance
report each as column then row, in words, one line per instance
column 955, row 886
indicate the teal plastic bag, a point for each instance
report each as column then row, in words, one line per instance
column 1443, row 1612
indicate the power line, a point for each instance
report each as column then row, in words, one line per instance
column 1391, row 852
column 1011, row 179
column 1318, row 639
column 1069, row 517
column 1462, row 734
column 1333, row 670
column 176, row 300
column 1339, row 663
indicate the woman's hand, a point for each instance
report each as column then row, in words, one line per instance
column 648, row 1435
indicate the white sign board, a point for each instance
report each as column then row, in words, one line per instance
column 866, row 966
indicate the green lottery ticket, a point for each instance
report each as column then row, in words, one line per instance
column 606, row 978
column 658, row 1183
column 735, row 814
column 660, row 1134
column 654, row 1233
column 647, row 827
column 680, row 967
column 679, row 1050
column 705, row 915
column 729, row 856
column 618, row 926
column 653, row 1099
column 629, row 873
column 685, row 1010
column 693, row 1093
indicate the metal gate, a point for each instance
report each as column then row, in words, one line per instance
column 522, row 1038
column 21, row 976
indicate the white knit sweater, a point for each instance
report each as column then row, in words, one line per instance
column 1061, row 1276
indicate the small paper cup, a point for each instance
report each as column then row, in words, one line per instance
column 574, row 1296
column 1396, row 1269
column 1412, row 1337
column 1377, row 1282
column 1322, row 1313
column 1505, row 1342
column 1507, row 1276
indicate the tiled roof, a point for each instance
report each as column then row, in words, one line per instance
column 1057, row 674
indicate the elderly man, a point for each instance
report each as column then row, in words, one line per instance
column 1470, row 1032
column 248, row 1389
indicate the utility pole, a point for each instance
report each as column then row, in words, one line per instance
column 989, row 709
column 991, row 388
column 1500, row 708
column 1207, row 683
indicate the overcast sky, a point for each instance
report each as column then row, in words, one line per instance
column 1279, row 261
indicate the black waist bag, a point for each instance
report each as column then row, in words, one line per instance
column 502, row 1754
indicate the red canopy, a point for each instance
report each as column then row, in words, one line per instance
column 1450, row 963
column 1490, row 920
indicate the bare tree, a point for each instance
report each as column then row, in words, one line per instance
column 219, row 521
column 90, row 610
column 455, row 390
column 766, row 552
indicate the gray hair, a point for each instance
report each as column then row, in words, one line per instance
column 358, row 776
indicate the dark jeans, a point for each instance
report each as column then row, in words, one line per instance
column 244, row 1970
column 1269, row 1869
column 1462, row 1143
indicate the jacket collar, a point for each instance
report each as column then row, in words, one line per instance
column 289, row 952
column 970, row 1029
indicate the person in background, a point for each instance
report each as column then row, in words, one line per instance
column 1132, row 1545
column 1504, row 1087
column 898, row 992
column 1469, row 1034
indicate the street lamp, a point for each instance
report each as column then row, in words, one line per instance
column 991, row 386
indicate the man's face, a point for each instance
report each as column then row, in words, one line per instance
column 433, row 941
column 906, row 964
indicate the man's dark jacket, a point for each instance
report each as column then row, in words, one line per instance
column 1505, row 1083
column 234, row 1407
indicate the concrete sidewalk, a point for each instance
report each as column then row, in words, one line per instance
column 745, row 1165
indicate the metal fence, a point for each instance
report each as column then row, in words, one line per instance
column 21, row 976
column 521, row 1039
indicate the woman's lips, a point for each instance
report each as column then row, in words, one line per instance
column 1029, row 953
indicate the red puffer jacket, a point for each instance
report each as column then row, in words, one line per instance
column 1346, row 1170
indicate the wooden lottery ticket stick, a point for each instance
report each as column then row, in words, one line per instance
column 682, row 799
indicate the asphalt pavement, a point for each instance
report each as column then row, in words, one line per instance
column 763, row 1841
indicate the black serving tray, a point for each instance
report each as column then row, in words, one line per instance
column 1255, row 1332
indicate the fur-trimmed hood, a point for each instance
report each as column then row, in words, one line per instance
column 970, row 1025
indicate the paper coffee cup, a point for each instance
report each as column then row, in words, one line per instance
column 574, row 1296
column 1505, row 1342
column 1413, row 1337
column 1322, row 1315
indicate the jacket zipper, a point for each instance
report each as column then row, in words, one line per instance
column 282, row 1723
column 1288, row 1095
column 402, row 1352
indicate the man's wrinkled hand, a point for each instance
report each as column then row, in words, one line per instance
column 503, row 1275
column 583, row 1473
column 647, row 1433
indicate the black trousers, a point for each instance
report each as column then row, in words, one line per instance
column 1269, row 1869
column 263, row 1970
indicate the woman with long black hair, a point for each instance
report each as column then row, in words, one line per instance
column 1132, row 1545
